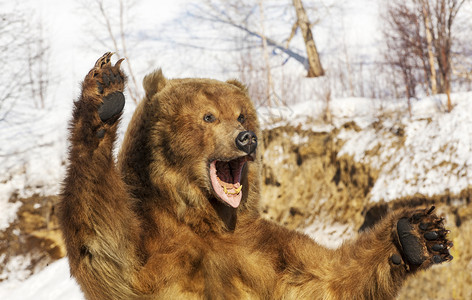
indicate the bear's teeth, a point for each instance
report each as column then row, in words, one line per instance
column 236, row 191
column 225, row 188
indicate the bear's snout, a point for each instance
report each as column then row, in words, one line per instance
column 246, row 141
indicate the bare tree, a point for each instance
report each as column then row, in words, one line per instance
column 237, row 15
column 403, row 38
column 303, row 23
column 111, row 18
column 270, row 84
column 445, row 12
column 429, row 43
column 419, row 36
column 256, row 35
column 38, row 66
column 24, row 56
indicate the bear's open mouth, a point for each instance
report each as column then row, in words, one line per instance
column 226, row 179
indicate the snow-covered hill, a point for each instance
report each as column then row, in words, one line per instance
column 428, row 153
column 53, row 283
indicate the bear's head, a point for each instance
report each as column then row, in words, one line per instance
column 199, row 139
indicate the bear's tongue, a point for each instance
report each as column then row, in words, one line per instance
column 226, row 180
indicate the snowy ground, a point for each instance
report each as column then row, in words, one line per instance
column 53, row 283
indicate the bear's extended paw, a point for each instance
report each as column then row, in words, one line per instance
column 105, row 82
column 422, row 239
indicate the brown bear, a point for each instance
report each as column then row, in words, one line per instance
column 176, row 217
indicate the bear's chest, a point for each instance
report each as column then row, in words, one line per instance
column 194, row 267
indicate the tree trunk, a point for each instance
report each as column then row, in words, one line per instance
column 315, row 69
column 429, row 41
column 266, row 57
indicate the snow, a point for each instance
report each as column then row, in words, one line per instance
column 53, row 283
column 432, row 157
column 32, row 159
column 8, row 210
column 435, row 157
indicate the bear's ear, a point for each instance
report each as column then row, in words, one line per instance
column 153, row 83
column 238, row 84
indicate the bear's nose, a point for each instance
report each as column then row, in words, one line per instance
column 246, row 141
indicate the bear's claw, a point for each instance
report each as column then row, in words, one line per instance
column 105, row 59
column 422, row 239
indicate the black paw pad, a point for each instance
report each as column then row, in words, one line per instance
column 100, row 87
column 106, row 80
column 425, row 226
column 437, row 259
column 109, row 78
column 411, row 245
column 438, row 247
column 112, row 105
column 396, row 259
column 101, row 133
column 431, row 236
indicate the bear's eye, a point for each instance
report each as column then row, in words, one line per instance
column 241, row 118
column 209, row 118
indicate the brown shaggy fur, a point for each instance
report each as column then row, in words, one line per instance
column 150, row 227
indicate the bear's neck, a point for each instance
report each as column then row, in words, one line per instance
column 228, row 215
column 213, row 218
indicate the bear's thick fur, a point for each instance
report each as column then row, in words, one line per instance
column 177, row 217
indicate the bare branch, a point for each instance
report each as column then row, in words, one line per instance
column 115, row 29
column 214, row 15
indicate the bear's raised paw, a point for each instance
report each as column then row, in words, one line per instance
column 106, row 83
column 422, row 239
